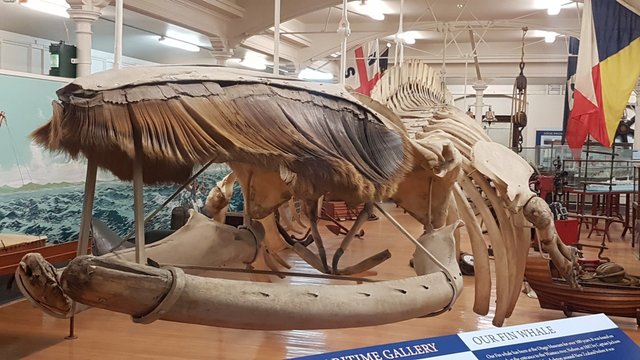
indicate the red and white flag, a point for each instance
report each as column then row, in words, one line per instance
column 366, row 66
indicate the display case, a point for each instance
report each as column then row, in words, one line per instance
column 542, row 157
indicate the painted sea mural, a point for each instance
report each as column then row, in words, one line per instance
column 41, row 193
column 54, row 209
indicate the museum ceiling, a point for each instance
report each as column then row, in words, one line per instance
column 309, row 36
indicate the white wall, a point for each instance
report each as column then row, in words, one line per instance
column 31, row 55
column 24, row 53
column 545, row 106
column 545, row 113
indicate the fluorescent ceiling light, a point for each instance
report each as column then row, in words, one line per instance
column 371, row 8
column 311, row 74
column 254, row 61
column 550, row 37
column 52, row 7
column 188, row 36
column 408, row 37
column 178, row 44
column 554, row 8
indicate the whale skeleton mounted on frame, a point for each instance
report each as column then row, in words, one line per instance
column 490, row 171
column 282, row 138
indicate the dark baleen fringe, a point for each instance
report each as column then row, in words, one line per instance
column 332, row 144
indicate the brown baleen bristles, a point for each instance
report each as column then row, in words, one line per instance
column 334, row 145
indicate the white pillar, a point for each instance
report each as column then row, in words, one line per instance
column 84, row 13
column 400, row 42
column 479, row 87
column 220, row 57
column 276, row 38
column 117, row 50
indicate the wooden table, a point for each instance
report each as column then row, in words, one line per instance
column 605, row 205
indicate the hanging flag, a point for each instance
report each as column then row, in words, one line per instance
column 607, row 70
column 572, row 62
column 364, row 72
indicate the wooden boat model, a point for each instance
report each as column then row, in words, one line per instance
column 555, row 293
column 14, row 246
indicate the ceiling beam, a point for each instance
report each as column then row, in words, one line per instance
column 187, row 14
column 289, row 33
column 264, row 44
column 225, row 7
column 259, row 16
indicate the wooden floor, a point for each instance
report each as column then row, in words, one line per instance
column 26, row 332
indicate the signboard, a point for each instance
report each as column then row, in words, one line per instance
column 548, row 137
column 586, row 337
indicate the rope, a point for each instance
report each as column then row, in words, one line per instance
column 3, row 120
column 519, row 101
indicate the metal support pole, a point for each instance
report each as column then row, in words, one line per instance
column 138, row 205
column 343, row 61
column 276, row 38
column 165, row 203
column 636, row 138
column 346, row 30
column 87, row 207
column 117, row 53
column 72, row 323
column 84, row 17
column 85, row 224
column 401, row 31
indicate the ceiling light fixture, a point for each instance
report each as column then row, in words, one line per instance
column 550, row 37
column 178, row 44
column 311, row 74
column 51, row 7
column 254, row 61
column 554, row 8
column 408, row 37
column 370, row 9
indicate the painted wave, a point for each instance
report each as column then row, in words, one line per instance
column 54, row 210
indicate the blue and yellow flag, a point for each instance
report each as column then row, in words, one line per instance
column 608, row 68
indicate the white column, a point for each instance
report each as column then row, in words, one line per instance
column 220, row 57
column 117, row 51
column 276, row 38
column 84, row 13
column 401, row 32
column 221, row 52
column 479, row 87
